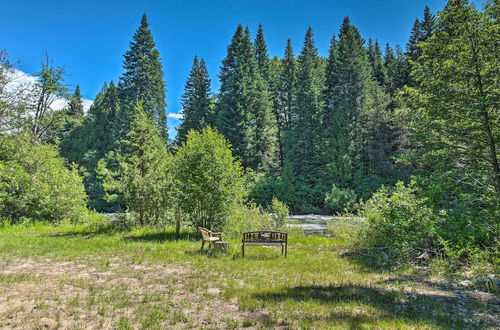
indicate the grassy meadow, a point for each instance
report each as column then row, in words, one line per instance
column 67, row 277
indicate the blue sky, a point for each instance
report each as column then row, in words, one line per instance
column 88, row 38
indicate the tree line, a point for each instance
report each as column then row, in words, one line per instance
column 330, row 134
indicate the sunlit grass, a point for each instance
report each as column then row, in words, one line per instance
column 317, row 286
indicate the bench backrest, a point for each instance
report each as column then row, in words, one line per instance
column 265, row 236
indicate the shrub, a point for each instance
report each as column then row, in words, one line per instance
column 280, row 211
column 398, row 218
column 338, row 200
column 350, row 230
column 247, row 218
column 35, row 185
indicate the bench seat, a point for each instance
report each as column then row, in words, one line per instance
column 264, row 244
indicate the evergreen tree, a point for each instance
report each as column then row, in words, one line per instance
column 284, row 90
column 86, row 144
column 143, row 80
column 421, row 31
column 74, row 118
column 141, row 174
column 302, row 147
column 75, row 107
column 379, row 71
column 358, row 133
column 261, row 54
column 244, row 109
column 196, row 101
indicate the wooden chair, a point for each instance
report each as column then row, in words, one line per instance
column 209, row 236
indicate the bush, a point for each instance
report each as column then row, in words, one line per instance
column 280, row 212
column 247, row 218
column 36, row 186
column 399, row 219
column 338, row 200
column 350, row 230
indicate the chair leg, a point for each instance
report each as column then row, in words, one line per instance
column 202, row 245
column 286, row 250
column 243, row 251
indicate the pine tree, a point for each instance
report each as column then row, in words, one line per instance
column 261, row 54
column 421, row 31
column 143, row 177
column 379, row 71
column 197, row 107
column 75, row 107
column 244, row 109
column 302, row 147
column 143, row 79
column 90, row 142
column 74, row 118
column 283, row 91
column 358, row 133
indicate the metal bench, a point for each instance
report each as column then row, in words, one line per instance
column 265, row 238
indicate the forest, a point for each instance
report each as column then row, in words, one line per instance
column 404, row 137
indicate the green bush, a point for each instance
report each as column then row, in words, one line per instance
column 280, row 211
column 35, row 185
column 247, row 218
column 338, row 200
column 399, row 219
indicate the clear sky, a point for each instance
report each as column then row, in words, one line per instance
column 89, row 37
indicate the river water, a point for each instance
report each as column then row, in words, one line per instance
column 312, row 223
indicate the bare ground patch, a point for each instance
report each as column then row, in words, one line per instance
column 50, row 294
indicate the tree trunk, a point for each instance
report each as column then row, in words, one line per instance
column 177, row 223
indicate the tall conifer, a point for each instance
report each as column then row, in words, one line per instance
column 302, row 141
column 197, row 109
column 143, row 79
column 244, row 109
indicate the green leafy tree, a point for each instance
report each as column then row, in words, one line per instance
column 210, row 180
column 46, row 124
column 36, row 185
column 140, row 176
column 143, row 80
column 197, row 103
column 453, row 112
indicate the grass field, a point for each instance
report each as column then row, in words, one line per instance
column 66, row 277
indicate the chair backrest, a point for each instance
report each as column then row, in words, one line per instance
column 204, row 233
column 265, row 236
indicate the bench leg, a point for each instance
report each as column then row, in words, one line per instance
column 286, row 250
column 243, row 251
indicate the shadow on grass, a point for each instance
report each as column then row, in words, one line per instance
column 160, row 237
column 369, row 260
column 431, row 309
